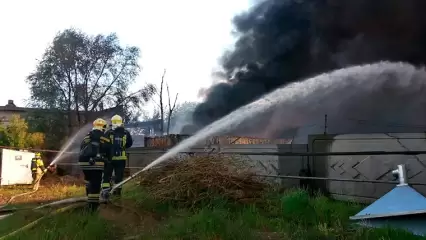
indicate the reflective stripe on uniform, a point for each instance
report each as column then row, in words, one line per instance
column 88, row 164
column 106, row 185
column 123, row 153
column 105, row 139
column 97, row 168
column 86, row 139
column 93, row 197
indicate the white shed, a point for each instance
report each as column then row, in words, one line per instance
column 15, row 167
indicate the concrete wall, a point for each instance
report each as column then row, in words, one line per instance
column 347, row 167
column 367, row 167
column 261, row 164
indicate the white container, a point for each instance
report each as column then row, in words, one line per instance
column 15, row 167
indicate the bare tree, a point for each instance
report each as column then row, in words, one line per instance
column 171, row 108
column 161, row 106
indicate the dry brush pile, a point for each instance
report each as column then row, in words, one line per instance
column 198, row 180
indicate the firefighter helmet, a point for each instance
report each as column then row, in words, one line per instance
column 99, row 124
column 38, row 155
column 116, row 121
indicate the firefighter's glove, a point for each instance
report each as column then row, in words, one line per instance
column 92, row 161
column 51, row 168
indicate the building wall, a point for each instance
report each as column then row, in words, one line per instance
column 268, row 165
column 7, row 111
column 6, row 115
column 173, row 139
column 378, row 167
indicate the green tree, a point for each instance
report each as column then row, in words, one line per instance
column 16, row 134
column 36, row 140
column 51, row 124
column 3, row 136
column 86, row 73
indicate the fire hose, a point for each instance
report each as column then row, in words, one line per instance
column 78, row 199
column 20, row 195
column 32, row 224
column 83, row 199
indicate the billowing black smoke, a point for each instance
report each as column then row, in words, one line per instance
column 282, row 41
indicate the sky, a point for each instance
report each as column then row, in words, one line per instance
column 172, row 34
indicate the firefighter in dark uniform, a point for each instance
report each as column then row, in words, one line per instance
column 94, row 151
column 121, row 140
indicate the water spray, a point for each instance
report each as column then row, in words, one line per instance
column 120, row 184
column 317, row 87
column 68, row 144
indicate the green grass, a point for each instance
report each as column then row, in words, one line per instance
column 290, row 215
column 16, row 221
column 72, row 225
column 67, row 225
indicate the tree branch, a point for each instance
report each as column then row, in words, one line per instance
column 171, row 108
column 127, row 98
column 96, row 82
column 96, row 102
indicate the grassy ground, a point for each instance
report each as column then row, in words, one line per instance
column 290, row 215
column 51, row 188
column 44, row 194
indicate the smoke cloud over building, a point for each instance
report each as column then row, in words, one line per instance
column 283, row 41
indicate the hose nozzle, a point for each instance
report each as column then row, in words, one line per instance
column 106, row 193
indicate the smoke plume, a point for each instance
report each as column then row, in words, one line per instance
column 283, row 41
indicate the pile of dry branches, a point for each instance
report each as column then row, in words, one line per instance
column 200, row 180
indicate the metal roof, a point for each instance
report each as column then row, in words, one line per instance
column 402, row 200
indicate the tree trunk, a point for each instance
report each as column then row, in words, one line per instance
column 78, row 115
column 171, row 108
column 70, row 125
column 161, row 104
column 168, row 123
column 162, row 119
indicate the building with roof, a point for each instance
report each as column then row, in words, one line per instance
column 10, row 109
